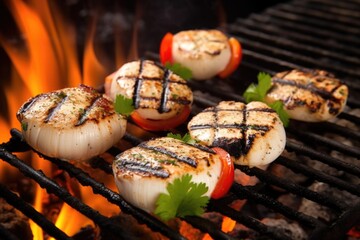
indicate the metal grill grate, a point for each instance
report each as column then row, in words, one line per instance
column 299, row 34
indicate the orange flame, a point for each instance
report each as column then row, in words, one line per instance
column 48, row 61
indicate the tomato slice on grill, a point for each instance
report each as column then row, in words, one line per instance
column 166, row 48
column 161, row 125
column 226, row 176
column 236, row 56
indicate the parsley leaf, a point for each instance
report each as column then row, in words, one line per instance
column 186, row 138
column 278, row 106
column 264, row 83
column 123, row 105
column 258, row 93
column 24, row 126
column 179, row 69
column 184, row 198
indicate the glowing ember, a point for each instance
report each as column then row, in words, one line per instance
column 228, row 224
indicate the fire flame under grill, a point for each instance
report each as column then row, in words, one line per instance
column 320, row 34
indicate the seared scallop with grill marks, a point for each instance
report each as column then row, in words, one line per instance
column 143, row 172
column 308, row 95
column 205, row 52
column 162, row 99
column 253, row 134
column 71, row 124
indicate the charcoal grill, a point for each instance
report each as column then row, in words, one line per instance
column 322, row 34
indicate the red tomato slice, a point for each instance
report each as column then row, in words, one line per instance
column 166, row 48
column 226, row 176
column 236, row 55
column 161, row 125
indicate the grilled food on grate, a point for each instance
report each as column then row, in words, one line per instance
column 143, row 172
column 206, row 53
column 71, row 123
column 310, row 96
column 162, row 99
column 253, row 134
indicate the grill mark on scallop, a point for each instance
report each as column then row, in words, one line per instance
column 243, row 141
column 241, row 126
column 309, row 87
column 83, row 117
column 216, row 124
column 165, row 92
column 144, row 168
column 29, row 104
column 203, row 148
column 53, row 110
column 188, row 160
column 270, row 110
column 216, row 52
column 235, row 146
column 137, row 87
column 164, row 99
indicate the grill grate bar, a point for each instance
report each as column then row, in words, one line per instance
column 291, row 187
column 323, row 141
column 52, row 187
column 28, row 210
column 224, row 95
column 247, row 31
column 342, row 11
column 100, row 163
column 350, row 117
column 318, row 23
column 337, row 5
column 248, row 221
column 115, row 198
column 207, row 226
column 331, row 161
column 250, row 193
column 345, row 22
column 330, row 127
column 284, row 52
column 304, row 34
column 341, row 226
column 270, row 33
column 320, row 176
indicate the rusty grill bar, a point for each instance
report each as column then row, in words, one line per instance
column 320, row 34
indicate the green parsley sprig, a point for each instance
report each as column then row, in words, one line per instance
column 123, row 105
column 186, row 138
column 179, row 69
column 258, row 92
column 184, row 198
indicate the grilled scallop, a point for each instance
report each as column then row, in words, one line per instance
column 310, row 96
column 143, row 172
column 205, row 52
column 253, row 134
column 71, row 123
column 157, row 93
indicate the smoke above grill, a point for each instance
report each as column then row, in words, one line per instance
column 310, row 192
